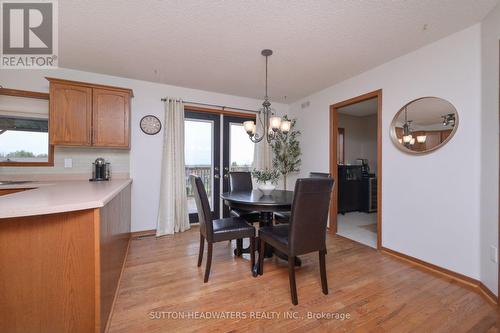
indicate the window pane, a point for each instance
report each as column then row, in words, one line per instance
column 198, row 136
column 24, row 146
column 240, row 149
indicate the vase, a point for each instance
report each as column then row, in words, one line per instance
column 267, row 187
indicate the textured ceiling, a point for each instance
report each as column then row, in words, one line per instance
column 361, row 109
column 215, row 45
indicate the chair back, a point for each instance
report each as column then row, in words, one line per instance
column 203, row 207
column 240, row 181
column 309, row 216
column 319, row 175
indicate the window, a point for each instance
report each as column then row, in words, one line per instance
column 24, row 129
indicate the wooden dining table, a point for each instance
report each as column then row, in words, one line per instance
column 266, row 205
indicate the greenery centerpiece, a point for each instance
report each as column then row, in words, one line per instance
column 267, row 179
column 286, row 151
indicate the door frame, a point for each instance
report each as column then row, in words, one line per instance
column 333, row 158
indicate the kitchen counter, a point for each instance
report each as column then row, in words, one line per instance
column 49, row 197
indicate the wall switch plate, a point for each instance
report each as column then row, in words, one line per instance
column 494, row 254
column 68, row 162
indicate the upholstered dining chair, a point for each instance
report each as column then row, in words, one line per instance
column 306, row 231
column 242, row 181
column 218, row 230
column 284, row 217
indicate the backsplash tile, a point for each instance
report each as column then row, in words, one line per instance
column 82, row 162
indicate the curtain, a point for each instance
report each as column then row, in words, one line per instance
column 262, row 158
column 172, row 213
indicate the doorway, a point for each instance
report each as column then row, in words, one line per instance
column 215, row 144
column 356, row 165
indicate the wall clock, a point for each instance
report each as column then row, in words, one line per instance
column 150, row 125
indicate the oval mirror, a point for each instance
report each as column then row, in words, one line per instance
column 424, row 125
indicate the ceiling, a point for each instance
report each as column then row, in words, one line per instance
column 426, row 111
column 361, row 109
column 215, row 45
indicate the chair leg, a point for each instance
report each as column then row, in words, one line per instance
column 252, row 252
column 291, row 277
column 209, row 262
column 322, row 269
column 261, row 256
column 239, row 247
column 202, row 245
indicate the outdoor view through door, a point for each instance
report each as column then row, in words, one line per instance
column 203, row 138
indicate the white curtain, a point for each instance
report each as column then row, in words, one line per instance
column 172, row 213
column 262, row 158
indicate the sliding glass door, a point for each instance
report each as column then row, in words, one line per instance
column 202, row 156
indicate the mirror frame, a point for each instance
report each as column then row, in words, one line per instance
column 394, row 138
column 36, row 95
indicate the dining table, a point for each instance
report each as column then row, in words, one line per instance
column 266, row 204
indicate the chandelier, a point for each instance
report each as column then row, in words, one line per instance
column 408, row 139
column 270, row 123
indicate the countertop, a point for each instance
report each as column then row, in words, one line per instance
column 49, row 197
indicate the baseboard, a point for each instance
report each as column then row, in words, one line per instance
column 143, row 233
column 473, row 284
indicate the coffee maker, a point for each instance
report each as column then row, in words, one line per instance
column 100, row 170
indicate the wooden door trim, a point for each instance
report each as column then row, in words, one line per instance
column 333, row 158
column 224, row 112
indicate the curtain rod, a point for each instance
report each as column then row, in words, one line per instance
column 217, row 106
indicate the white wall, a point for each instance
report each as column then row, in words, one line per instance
column 489, row 147
column 430, row 203
column 360, row 138
column 145, row 155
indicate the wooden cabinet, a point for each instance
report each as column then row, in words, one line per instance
column 85, row 114
column 70, row 115
column 60, row 272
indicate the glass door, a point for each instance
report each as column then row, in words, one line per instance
column 202, row 156
column 238, row 150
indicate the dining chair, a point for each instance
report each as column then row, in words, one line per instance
column 284, row 217
column 219, row 230
column 306, row 231
column 242, row 181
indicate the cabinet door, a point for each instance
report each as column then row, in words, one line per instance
column 70, row 115
column 111, row 118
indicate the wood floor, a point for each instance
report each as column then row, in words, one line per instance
column 377, row 292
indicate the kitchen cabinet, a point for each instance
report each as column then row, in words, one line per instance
column 86, row 114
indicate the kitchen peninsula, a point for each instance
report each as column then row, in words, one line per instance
column 62, row 247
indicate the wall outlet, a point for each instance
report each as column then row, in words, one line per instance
column 494, row 254
column 68, row 162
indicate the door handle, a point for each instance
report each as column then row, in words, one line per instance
column 216, row 176
column 226, row 176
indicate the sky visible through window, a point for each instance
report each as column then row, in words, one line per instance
column 34, row 142
column 198, row 136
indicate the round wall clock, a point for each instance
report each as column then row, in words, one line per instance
column 150, row 125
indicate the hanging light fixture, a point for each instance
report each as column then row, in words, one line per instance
column 270, row 123
column 407, row 137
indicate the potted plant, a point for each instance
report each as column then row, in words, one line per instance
column 286, row 152
column 267, row 179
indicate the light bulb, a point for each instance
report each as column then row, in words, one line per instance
column 421, row 138
column 249, row 127
column 285, row 126
column 412, row 141
column 407, row 138
column 274, row 123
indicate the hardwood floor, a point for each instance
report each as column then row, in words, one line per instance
column 378, row 292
